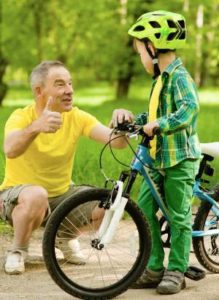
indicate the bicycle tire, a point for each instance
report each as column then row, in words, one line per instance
column 206, row 248
column 136, row 262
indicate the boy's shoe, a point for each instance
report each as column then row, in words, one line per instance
column 173, row 282
column 149, row 279
column 14, row 264
column 71, row 251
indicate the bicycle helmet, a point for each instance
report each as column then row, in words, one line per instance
column 166, row 30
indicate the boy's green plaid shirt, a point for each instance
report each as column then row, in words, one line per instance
column 177, row 117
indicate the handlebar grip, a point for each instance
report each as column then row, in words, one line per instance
column 125, row 126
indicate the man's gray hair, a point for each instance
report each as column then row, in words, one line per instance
column 40, row 72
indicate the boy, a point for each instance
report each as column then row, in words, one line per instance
column 173, row 108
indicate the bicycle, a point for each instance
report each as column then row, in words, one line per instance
column 118, row 245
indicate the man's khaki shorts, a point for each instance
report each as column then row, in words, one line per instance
column 9, row 199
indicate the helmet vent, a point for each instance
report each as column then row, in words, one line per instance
column 171, row 24
column 182, row 23
column 154, row 24
column 157, row 35
column 183, row 35
column 172, row 35
column 139, row 28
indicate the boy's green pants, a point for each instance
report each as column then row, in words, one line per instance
column 177, row 186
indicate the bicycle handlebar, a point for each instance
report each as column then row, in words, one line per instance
column 134, row 128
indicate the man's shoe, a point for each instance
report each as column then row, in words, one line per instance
column 173, row 282
column 14, row 264
column 149, row 279
column 71, row 251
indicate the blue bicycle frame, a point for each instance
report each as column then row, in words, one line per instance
column 143, row 164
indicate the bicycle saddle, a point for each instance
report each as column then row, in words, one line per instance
column 194, row 273
column 210, row 148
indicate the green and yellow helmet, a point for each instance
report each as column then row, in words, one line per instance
column 166, row 30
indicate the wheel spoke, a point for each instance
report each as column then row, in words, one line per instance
column 107, row 270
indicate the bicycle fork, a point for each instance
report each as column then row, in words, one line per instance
column 111, row 218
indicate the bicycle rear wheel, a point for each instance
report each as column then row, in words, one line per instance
column 206, row 248
column 108, row 271
column 165, row 232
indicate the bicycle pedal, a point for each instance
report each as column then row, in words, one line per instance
column 194, row 273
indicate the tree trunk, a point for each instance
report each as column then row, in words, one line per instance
column 199, row 42
column 123, row 85
column 37, row 10
column 210, row 41
column 124, row 79
column 3, row 64
column 3, row 86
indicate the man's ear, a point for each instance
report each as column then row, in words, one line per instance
column 152, row 48
column 38, row 91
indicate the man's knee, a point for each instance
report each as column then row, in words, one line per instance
column 33, row 198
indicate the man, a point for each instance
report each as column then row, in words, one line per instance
column 40, row 142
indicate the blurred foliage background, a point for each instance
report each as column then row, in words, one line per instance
column 91, row 38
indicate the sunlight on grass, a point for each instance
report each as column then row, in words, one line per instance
column 17, row 102
column 85, row 100
column 91, row 96
column 209, row 96
column 102, row 92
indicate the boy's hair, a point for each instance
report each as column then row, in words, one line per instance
column 40, row 72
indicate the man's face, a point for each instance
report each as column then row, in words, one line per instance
column 58, row 85
column 145, row 57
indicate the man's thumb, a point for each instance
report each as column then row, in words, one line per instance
column 49, row 104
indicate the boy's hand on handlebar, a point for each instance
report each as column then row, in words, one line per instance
column 150, row 128
column 119, row 116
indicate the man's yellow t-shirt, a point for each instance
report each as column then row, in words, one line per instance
column 48, row 161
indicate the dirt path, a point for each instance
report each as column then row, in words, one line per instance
column 36, row 284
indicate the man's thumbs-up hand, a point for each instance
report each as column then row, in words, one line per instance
column 49, row 121
column 49, row 104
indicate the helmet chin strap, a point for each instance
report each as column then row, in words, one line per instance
column 154, row 60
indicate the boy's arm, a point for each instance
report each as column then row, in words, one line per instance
column 186, row 101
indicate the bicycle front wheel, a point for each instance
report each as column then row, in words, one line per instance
column 108, row 271
column 206, row 248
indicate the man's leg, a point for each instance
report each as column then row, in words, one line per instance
column 25, row 208
column 80, row 220
column 28, row 214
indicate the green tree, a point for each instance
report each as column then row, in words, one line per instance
column 3, row 63
column 91, row 38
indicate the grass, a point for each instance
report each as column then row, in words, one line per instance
column 93, row 100
column 99, row 93
column 5, row 228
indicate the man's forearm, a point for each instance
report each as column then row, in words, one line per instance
column 17, row 142
column 119, row 141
